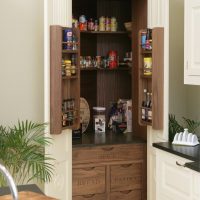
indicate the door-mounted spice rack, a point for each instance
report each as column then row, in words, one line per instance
column 151, row 77
column 64, row 78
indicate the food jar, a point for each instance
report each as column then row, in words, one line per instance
column 99, row 119
column 102, row 23
column 113, row 59
column 68, row 67
column 113, row 24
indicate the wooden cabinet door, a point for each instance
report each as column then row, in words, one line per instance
column 192, row 42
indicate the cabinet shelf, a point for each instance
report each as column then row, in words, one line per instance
column 146, row 76
column 144, row 51
column 104, row 32
column 69, row 77
column 69, row 51
column 106, row 69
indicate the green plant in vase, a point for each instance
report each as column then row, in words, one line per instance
column 22, row 152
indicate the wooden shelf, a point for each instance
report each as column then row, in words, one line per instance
column 146, row 76
column 106, row 69
column 105, row 32
column 144, row 51
column 69, row 51
column 69, row 77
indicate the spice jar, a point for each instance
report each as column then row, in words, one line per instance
column 68, row 67
column 99, row 119
column 73, row 70
column 113, row 24
column 102, row 23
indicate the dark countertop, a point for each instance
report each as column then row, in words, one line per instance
column 109, row 138
column 31, row 188
column 188, row 152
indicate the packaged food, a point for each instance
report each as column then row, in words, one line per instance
column 99, row 119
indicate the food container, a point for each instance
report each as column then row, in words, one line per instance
column 147, row 66
column 113, row 24
column 68, row 67
column 113, row 60
column 102, row 23
column 99, row 119
column 67, row 37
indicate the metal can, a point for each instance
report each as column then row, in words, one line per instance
column 113, row 24
column 102, row 23
column 67, row 37
column 108, row 24
column 113, row 60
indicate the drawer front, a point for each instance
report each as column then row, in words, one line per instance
column 126, row 195
column 108, row 153
column 88, row 180
column 126, row 177
column 90, row 197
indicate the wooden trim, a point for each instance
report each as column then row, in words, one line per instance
column 55, row 79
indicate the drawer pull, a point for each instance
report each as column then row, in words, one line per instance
column 108, row 148
column 88, row 168
column 177, row 163
column 126, row 165
column 88, row 196
column 126, row 192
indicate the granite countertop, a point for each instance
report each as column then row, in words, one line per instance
column 109, row 138
column 188, row 152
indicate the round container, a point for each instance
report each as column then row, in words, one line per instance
column 108, row 24
column 99, row 119
column 112, row 57
column 147, row 66
column 113, row 24
column 68, row 67
column 67, row 37
column 102, row 23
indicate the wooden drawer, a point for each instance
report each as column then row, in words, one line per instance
column 108, row 153
column 126, row 176
column 88, row 180
column 126, row 195
column 90, row 197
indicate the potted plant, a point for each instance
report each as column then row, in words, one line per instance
column 22, row 152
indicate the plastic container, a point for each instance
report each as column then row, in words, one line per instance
column 99, row 119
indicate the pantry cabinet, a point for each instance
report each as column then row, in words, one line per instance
column 192, row 43
column 173, row 181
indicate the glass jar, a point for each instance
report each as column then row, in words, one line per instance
column 99, row 119
column 68, row 67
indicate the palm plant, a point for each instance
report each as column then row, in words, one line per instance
column 22, row 152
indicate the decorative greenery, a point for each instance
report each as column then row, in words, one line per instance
column 22, row 152
column 176, row 127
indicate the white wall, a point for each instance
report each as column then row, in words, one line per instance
column 57, row 12
column 21, row 61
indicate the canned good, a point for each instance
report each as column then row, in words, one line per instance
column 107, row 24
column 102, row 23
column 68, row 67
column 113, row 60
column 67, row 37
column 113, row 24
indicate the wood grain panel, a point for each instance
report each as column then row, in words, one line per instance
column 107, row 153
column 126, row 195
column 88, row 180
column 157, row 77
column 90, row 197
column 126, row 177
column 139, row 17
column 55, row 80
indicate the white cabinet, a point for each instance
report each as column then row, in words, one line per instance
column 173, row 181
column 192, row 42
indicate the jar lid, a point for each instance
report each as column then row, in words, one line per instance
column 99, row 108
column 67, row 61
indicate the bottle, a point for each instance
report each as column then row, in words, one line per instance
column 144, row 104
column 150, row 108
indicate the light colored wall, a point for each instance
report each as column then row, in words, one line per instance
column 21, row 61
column 177, row 90
column 57, row 12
